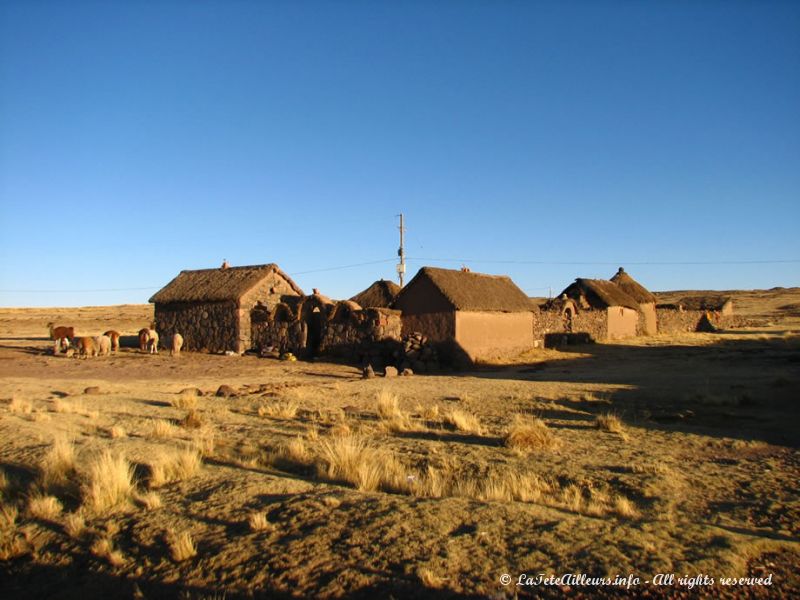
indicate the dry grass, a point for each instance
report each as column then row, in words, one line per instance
column 181, row 546
column 163, row 429
column 174, row 465
column 257, row 521
column 8, row 516
column 117, row 432
column 192, row 420
column 392, row 418
column 282, row 409
column 204, row 442
column 429, row 579
column 109, row 481
column 611, row 423
column 75, row 524
column 19, row 406
column 186, row 400
column 463, row 421
column 47, row 508
column 529, row 435
column 149, row 500
column 57, row 468
column 624, row 507
column 103, row 547
column 350, row 459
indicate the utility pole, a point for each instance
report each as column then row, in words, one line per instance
column 401, row 267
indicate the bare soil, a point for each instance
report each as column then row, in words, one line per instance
column 700, row 481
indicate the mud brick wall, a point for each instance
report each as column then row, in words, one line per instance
column 205, row 327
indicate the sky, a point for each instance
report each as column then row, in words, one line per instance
column 543, row 140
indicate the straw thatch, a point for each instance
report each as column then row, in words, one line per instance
column 599, row 293
column 218, row 285
column 380, row 294
column 633, row 288
column 465, row 290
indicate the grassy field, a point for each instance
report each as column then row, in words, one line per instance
column 130, row 476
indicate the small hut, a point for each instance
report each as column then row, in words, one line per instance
column 380, row 294
column 722, row 305
column 471, row 316
column 214, row 309
column 644, row 298
column 605, row 311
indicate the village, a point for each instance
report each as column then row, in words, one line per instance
column 442, row 317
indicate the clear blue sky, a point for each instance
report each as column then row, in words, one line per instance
column 138, row 139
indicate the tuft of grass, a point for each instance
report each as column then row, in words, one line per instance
column 149, row 500
column 103, row 547
column 186, row 400
column 47, row 508
column 163, row 429
column 8, row 516
column 109, row 481
column 611, row 423
column 181, row 546
column 117, row 432
column 174, row 465
column 192, row 420
column 429, row 579
column 350, row 459
column 463, row 421
column 528, row 435
column 624, row 507
column 57, row 467
column 257, row 521
column 19, row 406
column 75, row 524
column 283, row 409
column 391, row 416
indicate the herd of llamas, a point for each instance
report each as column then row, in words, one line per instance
column 66, row 342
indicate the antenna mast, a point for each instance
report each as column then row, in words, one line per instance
column 401, row 266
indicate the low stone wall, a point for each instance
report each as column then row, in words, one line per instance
column 205, row 327
column 675, row 320
column 367, row 335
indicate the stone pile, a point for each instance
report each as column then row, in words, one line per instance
column 419, row 354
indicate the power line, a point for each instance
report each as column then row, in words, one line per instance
column 616, row 262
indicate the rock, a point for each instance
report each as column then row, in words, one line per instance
column 368, row 372
column 390, row 372
column 407, row 373
column 225, row 391
column 92, row 390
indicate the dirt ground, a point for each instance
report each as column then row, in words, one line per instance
column 652, row 457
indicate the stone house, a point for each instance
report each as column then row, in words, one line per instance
column 600, row 309
column 696, row 313
column 645, row 299
column 214, row 309
column 469, row 316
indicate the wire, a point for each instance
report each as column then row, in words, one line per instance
column 616, row 262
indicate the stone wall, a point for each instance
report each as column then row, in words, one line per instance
column 366, row 335
column 676, row 320
column 205, row 327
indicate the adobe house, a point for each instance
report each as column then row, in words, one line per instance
column 380, row 294
column 604, row 311
column 645, row 300
column 213, row 309
column 471, row 316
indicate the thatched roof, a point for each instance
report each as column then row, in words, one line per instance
column 599, row 293
column 380, row 294
column 633, row 288
column 217, row 285
column 710, row 302
column 475, row 291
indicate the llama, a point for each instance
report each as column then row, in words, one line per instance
column 152, row 341
column 177, row 344
column 103, row 343
column 114, row 335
